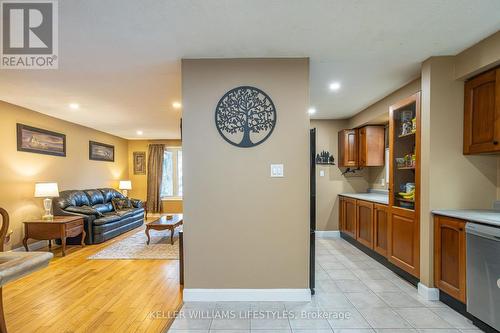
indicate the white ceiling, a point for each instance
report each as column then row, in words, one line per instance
column 120, row 59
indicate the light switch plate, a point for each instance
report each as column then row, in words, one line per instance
column 322, row 173
column 277, row 170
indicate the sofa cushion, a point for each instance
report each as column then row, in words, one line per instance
column 103, row 208
column 83, row 210
column 109, row 194
column 95, row 197
column 72, row 198
column 121, row 203
column 108, row 218
column 125, row 213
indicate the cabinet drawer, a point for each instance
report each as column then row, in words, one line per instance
column 74, row 231
column 74, row 224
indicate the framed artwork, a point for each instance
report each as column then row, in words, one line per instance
column 40, row 141
column 139, row 162
column 101, row 152
column 245, row 116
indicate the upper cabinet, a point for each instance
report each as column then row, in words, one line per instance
column 371, row 146
column 363, row 147
column 482, row 113
column 348, row 148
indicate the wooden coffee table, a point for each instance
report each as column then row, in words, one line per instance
column 166, row 222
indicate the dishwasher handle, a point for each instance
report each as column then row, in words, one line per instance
column 482, row 230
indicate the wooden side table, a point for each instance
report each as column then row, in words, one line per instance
column 61, row 227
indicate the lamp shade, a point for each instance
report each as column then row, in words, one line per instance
column 46, row 190
column 125, row 185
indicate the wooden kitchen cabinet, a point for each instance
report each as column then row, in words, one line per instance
column 449, row 256
column 482, row 113
column 380, row 232
column 349, row 216
column 348, row 148
column 371, row 146
column 364, row 223
column 403, row 243
column 341, row 214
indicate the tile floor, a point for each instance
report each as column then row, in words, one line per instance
column 354, row 293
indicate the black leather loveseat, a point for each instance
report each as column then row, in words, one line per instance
column 102, row 222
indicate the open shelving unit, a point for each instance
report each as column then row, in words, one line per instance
column 404, row 216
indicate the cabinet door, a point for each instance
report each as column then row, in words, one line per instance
column 341, row 214
column 380, row 229
column 404, row 240
column 371, row 146
column 348, row 148
column 364, row 223
column 482, row 113
column 449, row 256
column 350, row 217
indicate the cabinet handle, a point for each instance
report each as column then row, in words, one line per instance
column 495, row 142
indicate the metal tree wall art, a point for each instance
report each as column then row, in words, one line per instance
column 245, row 116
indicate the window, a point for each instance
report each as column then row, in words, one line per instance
column 171, row 186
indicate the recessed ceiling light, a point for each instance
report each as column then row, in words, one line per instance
column 74, row 106
column 311, row 110
column 176, row 105
column 139, row 132
column 334, row 86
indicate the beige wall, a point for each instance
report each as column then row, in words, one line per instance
column 378, row 113
column 139, row 182
column 242, row 228
column 332, row 183
column 450, row 180
column 20, row 170
column 478, row 58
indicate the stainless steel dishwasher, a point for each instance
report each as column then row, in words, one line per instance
column 483, row 273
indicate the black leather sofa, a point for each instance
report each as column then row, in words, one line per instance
column 101, row 221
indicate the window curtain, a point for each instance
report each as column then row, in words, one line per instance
column 155, row 176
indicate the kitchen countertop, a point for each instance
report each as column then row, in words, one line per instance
column 377, row 197
column 485, row 216
column 14, row 265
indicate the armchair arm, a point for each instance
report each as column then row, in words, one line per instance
column 86, row 210
column 136, row 203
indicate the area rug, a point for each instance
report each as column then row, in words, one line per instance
column 135, row 247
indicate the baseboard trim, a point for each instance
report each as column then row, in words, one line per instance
column 246, row 295
column 429, row 294
column 32, row 246
column 327, row 234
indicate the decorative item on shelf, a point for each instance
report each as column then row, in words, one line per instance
column 325, row 158
column 47, row 191
column 124, row 186
column 414, row 125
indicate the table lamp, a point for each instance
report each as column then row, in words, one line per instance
column 47, row 191
column 125, row 185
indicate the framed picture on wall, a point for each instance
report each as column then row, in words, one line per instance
column 40, row 141
column 139, row 162
column 101, row 152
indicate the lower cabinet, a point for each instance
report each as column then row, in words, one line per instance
column 364, row 223
column 403, row 248
column 380, row 232
column 350, row 217
column 449, row 256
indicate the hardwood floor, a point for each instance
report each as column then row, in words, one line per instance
column 74, row 294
